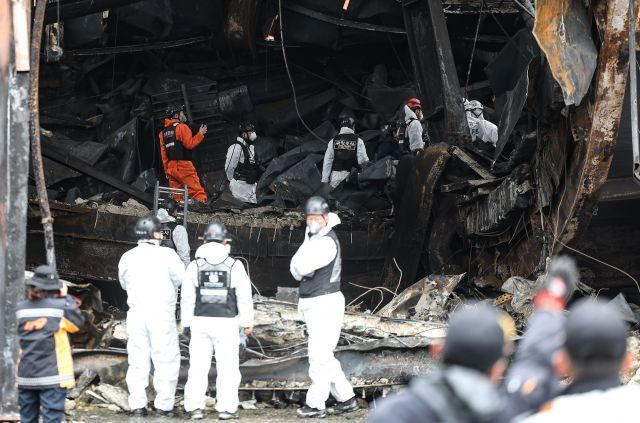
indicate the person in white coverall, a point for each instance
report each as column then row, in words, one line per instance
column 151, row 274
column 413, row 140
column 344, row 152
column 240, row 166
column 216, row 306
column 480, row 128
column 317, row 265
column 174, row 235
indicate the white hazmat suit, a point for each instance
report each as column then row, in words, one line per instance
column 323, row 315
column 413, row 131
column 151, row 274
column 335, row 177
column 221, row 334
column 240, row 189
column 179, row 237
column 479, row 127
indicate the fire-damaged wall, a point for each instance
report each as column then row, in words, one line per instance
column 490, row 209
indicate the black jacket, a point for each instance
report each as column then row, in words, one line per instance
column 45, row 357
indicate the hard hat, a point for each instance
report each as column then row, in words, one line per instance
column 472, row 105
column 414, row 103
column 246, row 126
column 346, row 121
column 215, row 231
column 45, row 277
column 174, row 109
column 316, row 206
column 146, row 226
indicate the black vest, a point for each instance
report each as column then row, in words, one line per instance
column 214, row 295
column 167, row 235
column 325, row 280
column 345, row 152
column 173, row 146
column 247, row 171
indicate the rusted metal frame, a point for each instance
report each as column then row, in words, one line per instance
column 591, row 160
column 413, row 218
column 434, row 68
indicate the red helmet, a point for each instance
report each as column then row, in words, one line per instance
column 414, row 103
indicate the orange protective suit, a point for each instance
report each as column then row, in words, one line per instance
column 182, row 172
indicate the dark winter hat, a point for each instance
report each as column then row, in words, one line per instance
column 475, row 338
column 45, row 277
column 596, row 333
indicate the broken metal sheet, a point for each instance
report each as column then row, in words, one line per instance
column 620, row 302
column 523, row 291
column 497, row 210
column 299, row 182
column 505, row 70
column 425, row 300
column 510, row 105
column 563, row 32
column 341, row 22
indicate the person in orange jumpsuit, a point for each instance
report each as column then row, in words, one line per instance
column 176, row 145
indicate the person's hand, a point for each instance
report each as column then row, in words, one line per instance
column 203, row 129
column 247, row 331
column 64, row 290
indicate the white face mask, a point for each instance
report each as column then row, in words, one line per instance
column 314, row 227
column 252, row 136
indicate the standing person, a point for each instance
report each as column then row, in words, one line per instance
column 412, row 140
column 176, row 145
column 216, row 307
column 151, row 275
column 593, row 356
column 317, row 265
column 464, row 388
column 45, row 367
column 174, row 235
column 346, row 151
column 240, row 166
column 480, row 128
column 531, row 381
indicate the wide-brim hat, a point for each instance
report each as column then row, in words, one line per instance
column 44, row 277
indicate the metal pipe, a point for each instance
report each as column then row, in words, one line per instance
column 38, row 168
column 185, row 99
column 633, row 91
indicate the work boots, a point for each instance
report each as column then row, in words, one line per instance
column 196, row 415
column 307, row 411
column 139, row 412
column 344, row 407
column 225, row 415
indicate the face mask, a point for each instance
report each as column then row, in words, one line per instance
column 314, row 227
column 477, row 112
column 252, row 136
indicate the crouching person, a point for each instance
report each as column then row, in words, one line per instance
column 216, row 306
column 45, row 369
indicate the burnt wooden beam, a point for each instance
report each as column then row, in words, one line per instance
column 434, row 69
column 472, row 163
column 413, row 218
column 86, row 169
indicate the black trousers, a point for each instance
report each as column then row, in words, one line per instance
column 51, row 400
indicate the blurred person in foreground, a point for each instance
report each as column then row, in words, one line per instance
column 593, row 357
column 464, row 388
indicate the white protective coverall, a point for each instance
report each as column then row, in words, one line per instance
column 479, row 127
column 240, row 189
column 414, row 130
column 179, row 237
column 151, row 274
column 323, row 315
column 221, row 334
column 335, row 177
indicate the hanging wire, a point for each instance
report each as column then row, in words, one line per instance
column 286, row 65
column 473, row 50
